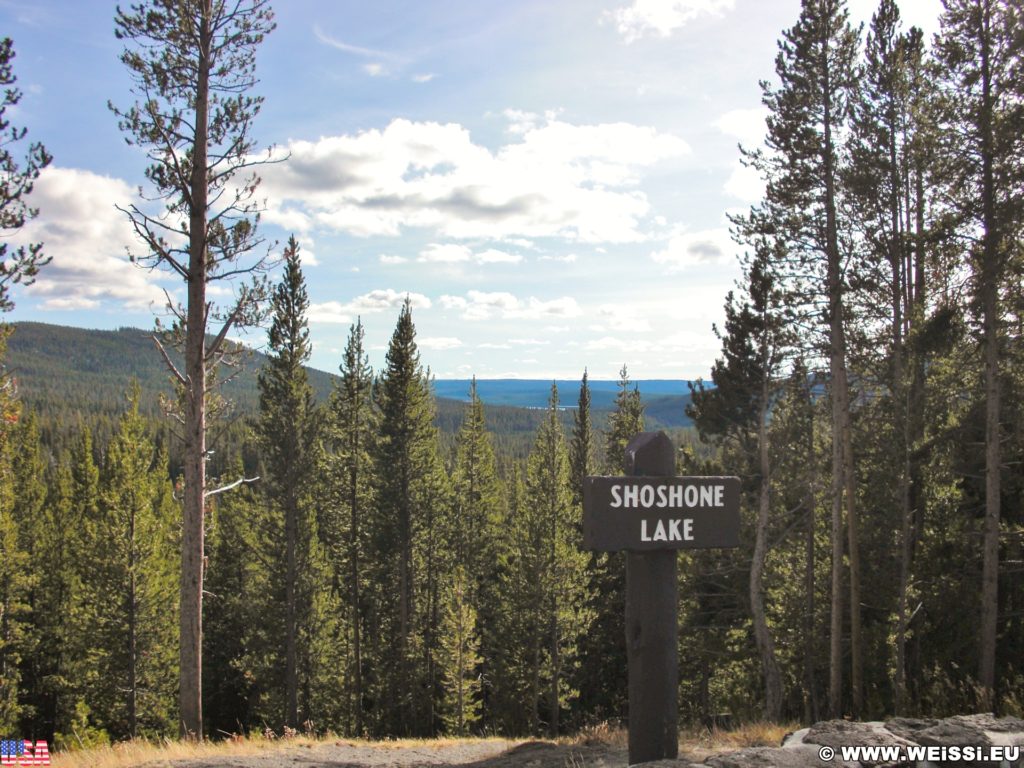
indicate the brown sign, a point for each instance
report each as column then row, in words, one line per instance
column 645, row 513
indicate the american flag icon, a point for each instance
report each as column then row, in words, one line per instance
column 22, row 752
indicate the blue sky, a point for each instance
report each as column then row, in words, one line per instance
column 548, row 181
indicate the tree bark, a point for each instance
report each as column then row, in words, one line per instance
column 762, row 634
column 354, row 559
column 989, row 289
column 291, row 672
column 190, row 654
column 844, row 481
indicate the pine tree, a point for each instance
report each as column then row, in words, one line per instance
column 460, row 658
column 983, row 93
column 479, row 514
column 736, row 410
column 562, row 577
column 352, row 432
column 409, row 537
column 192, row 65
column 602, row 677
column 581, row 449
column 128, row 587
column 289, row 437
column 17, row 265
column 808, row 112
column 237, row 586
column 15, row 575
column 626, row 421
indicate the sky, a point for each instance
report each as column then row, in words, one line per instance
column 546, row 180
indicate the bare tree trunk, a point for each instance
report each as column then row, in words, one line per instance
column 193, row 558
column 133, row 683
column 535, row 686
column 811, row 708
column 843, row 481
column 989, row 288
column 291, row 672
column 354, row 559
column 762, row 635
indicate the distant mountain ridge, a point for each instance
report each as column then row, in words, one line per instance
column 90, row 370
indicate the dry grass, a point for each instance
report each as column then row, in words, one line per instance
column 698, row 744
column 603, row 734
column 140, row 752
column 694, row 744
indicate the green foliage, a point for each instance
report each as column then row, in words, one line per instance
column 125, row 620
column 459, row 658
column 558, row 565
column 21, row 264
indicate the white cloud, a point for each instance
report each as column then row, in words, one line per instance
column 494, row 256
column 450, row 253
column 529, row 342
column 577, row 182
column 87, row 238
column 374, row 301
column 535, row 308
column 446, row 253
column 567, row 258
column 387, row 259
column 622, row 317
column 490, row 345
column 478, row 305
column 328, row 312
column 374, row 69
column 662, row 17
column 744, row 183
column 425, row 77
column 381, row 299
column 439, row 342
column 747, row 125
column 690, row 249
column 333, row 42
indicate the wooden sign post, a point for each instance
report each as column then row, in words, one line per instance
column 650, row 514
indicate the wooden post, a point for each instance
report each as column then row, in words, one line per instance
column 651, row 624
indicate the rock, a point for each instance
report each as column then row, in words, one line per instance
column 953, row 731
column 908, row 727
column 794, row 738
column 796, row 756
column 800, row 749
column 843, row 733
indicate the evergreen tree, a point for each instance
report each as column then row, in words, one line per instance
column 192, row 66
column 129, row 587
column 409, row 538
column 562, row 576
column 581, row 450
column 17, row 265
column 808, row 112
column 978, row 52
column 626, row 421
column 460, row 658
column 15, row 575
column 603, row 682
column 352, row 433
column 478, row 535
column 289, row 438
column 237, row 585
column 746, row 377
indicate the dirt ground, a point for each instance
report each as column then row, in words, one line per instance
column 495, row 753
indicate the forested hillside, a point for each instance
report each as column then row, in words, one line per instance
column 350, row 553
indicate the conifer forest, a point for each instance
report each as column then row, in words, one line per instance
column 340, row 562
